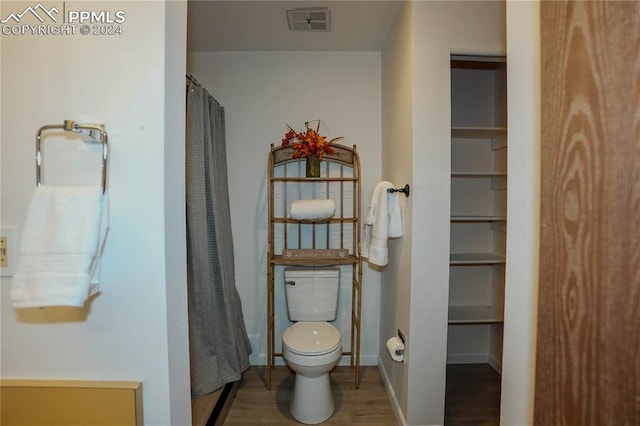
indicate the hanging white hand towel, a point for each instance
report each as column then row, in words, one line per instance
column 60, row 247
column 383, row 220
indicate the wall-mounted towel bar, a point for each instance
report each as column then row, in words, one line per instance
column 90, row 133
column 404, row 190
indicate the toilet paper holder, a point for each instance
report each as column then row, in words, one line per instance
column 395, row 347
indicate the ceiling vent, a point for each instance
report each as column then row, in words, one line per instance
column 309, row 19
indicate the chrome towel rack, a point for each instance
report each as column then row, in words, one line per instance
column 90, row 133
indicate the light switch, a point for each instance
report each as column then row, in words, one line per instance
column 3, row 252
column 8, row 250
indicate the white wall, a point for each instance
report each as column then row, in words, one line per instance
column 438, row 29
column 261, row 93
column 175, row 252
column 523, row 79
column 136, row 329
column 397, row 147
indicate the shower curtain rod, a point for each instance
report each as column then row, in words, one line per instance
column 192, row 79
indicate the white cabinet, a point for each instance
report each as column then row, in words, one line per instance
column 478, row 210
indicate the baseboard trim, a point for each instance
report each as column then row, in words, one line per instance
column 392, row 395
column 495, row 363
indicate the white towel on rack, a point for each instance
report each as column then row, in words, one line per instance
column 383, row 220
column 312, row 209
column 60, row 247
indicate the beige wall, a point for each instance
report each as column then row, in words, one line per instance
column 136, row 329
column 397, row 125
column 523, row 79
column 438, row 29
column 262, row 92
column 138, row 324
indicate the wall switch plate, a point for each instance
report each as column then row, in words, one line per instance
column 8, row 250
column 3, row 251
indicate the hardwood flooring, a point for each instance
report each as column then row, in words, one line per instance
column 472, row 399
column 472, row 395
column 255, row 405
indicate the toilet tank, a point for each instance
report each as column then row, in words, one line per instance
column 312, row 293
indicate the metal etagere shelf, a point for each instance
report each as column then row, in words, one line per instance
column 334, row 241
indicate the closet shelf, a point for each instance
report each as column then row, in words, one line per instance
column 478, row 132
column 310, row 180
column 478, row 211
column 476, row 259
column 477, row 174
column 315, row 221
column 477, row 218
column 313, row 261
column 474, row 314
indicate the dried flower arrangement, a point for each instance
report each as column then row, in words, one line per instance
column 309, row 143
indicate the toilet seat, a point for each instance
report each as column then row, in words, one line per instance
column 311, row 350
column 312, row 338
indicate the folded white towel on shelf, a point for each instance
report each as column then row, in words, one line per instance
column 312, row 209
column 60, row 247
column 383, row 220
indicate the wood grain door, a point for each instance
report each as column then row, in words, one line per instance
column 588, row 348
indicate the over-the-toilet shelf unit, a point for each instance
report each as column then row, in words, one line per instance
column 325, row 242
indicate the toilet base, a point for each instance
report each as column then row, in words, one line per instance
column 311, row 401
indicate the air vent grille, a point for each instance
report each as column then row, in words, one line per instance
column 309, row 19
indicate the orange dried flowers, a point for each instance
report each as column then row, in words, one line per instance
column 309, row 143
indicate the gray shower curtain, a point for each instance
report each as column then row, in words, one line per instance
column 219, row 345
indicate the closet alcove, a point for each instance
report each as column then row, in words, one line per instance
column 478, row 223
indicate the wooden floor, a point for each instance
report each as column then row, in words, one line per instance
column 472, row 395
column 255, row 405
column 472, row 398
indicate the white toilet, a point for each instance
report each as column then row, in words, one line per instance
column 312, row 347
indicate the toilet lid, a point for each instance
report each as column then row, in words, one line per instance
column 311, row 338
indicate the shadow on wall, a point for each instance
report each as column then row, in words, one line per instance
column 55, row 314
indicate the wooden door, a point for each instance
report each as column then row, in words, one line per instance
column 588, row 348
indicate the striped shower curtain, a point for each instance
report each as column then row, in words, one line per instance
column 219, row 345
